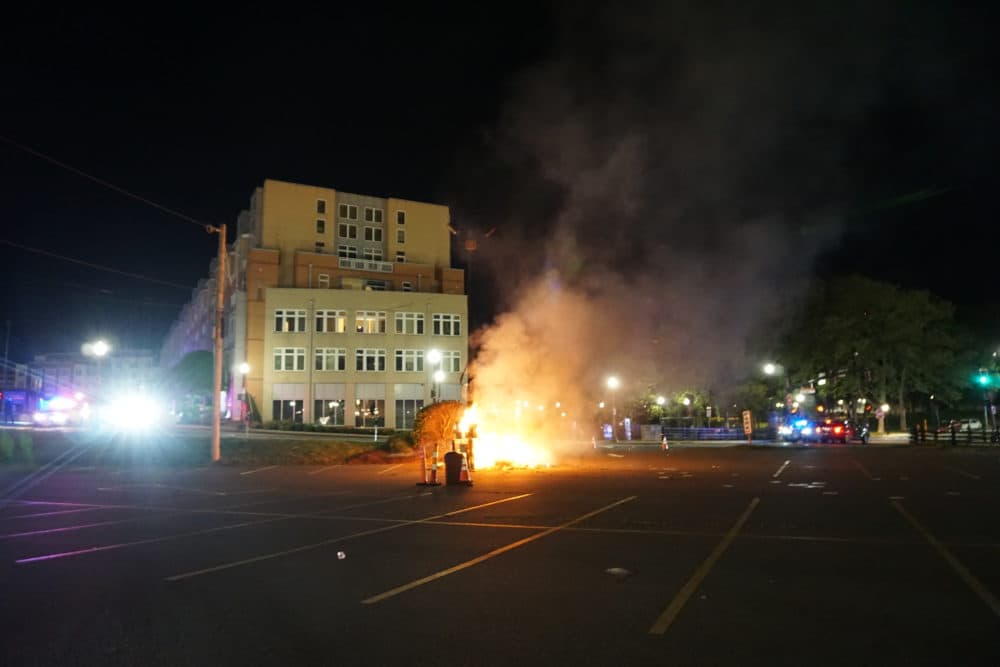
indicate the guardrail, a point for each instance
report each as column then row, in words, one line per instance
column 954, row 437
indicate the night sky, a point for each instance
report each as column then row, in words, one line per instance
column 861, row 135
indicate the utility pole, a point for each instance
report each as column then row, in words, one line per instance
column 220, row 299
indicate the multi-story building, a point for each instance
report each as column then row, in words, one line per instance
column 344, row 306
column 69, row 373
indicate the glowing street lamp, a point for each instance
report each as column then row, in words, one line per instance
column 770, row 369
column 660, row 400
column 613, row 384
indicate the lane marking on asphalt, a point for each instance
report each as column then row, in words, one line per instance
column 66, row 529
column 251, row 472
column 382, row 472
column 781, row 469
column 492, row 554
column 152, row 540
column 336, row 540
column 186, row 489
column 962, row 472
column 963, row 572
column 863, row 469
column 55, row 513
column 677, row 604
column 316, row 472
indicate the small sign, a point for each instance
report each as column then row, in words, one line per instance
column 708, row 411
column 747, row 423
column 879, row 414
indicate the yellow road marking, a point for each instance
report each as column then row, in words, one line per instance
column 963, row 572
column 674, row 608
column 496, row 552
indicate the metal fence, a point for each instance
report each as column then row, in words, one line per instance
column 954, row 437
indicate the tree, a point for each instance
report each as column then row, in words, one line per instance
column 193, row 374
column 437, row 422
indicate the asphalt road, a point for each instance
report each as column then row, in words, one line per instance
column 828, row 556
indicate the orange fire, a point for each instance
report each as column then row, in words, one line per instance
column 500, row 441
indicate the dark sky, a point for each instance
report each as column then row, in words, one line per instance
column 861, row 133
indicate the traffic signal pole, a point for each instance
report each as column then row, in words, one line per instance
column 220, row 294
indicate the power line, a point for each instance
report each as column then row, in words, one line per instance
column 79, row 172
column 99, row 267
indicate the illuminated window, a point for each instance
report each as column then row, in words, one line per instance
column 410, row 323
column 451, row 361
column 289, row 321
column 406, row 412
column 446, row 324
column 409, row 361
column 331, row 321
column 369, row 360
column 330, row 359
column 289, row 358
column 370, row 321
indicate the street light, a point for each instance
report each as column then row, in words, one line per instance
column 770, row 369
column 660, row 400
column 98, row 349
column 438, row 379
column 613, row 384
column 245, row 404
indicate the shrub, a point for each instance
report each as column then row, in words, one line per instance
column 25, row 447
column 398, row 443
column 6, row 447
column 436, row 422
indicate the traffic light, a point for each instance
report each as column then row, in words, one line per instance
column 984, row 379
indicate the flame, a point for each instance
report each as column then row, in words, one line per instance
column 502, row 441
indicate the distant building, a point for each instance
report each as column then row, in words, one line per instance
column 70, row 373
column 335, row 300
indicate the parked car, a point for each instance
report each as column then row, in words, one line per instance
column 842, row 431
column 798, row 430
column 961, row 425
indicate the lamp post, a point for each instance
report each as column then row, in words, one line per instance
column 613, row 385
column 245, row 402
column 438, row 379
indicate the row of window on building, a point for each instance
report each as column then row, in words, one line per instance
column 366, row 321
column 351, row 252
column 350, row 212
column 365, row 359
column 366, row 413
column 370, row 234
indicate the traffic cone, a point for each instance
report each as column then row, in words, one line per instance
column 663, row 444
column 593, row 441
column 432, row 481
column 464, row 476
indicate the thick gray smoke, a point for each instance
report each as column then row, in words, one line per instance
column 672, row 172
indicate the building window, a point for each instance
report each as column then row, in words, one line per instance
column 400, row 236
column 406, row 412
column 445, row 324
column 451, row 361
column 370, row 321
column 319, row 246
column 289, row 358
column 347, row 231
column 348, row 211
column 330, row 359
column 373, row 214
column 410, row 323
column 321, row 206
column 400, row 256
column 374, row 254
column 331, row 321
column 287, row 411
column 407, row 286
column 369, row 359
column 400, row 217
column 409, row 361
column 373, row 234
column 289, row 321
column 323, row 281
column 369, row 413
column 375, row 285
column 328, row 413
column 321, row 226
column 349, row 251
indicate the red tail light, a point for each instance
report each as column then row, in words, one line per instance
column 838, row 429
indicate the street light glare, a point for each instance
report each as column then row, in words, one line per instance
column 613, row 382
column 770, row 369
column 434, row 356
column 439, row 375
column 660, row 400
column 244, row 368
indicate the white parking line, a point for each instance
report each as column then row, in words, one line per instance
column 781, row 469
column 250, row 472
column 335, row 540
column 316, row 472
column 962, row 472
column 496, row 552
column 382, row 472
